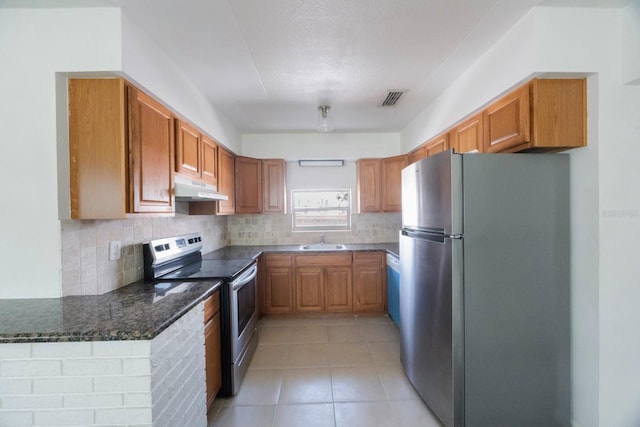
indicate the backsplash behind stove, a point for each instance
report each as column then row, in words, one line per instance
column 86, row 269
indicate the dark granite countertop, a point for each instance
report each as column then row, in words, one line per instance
column 256, row 250
column 138, row 311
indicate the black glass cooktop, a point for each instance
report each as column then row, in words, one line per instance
column 210, row 269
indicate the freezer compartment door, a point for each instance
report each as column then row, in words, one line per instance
column 432, row 194
column 427, row 298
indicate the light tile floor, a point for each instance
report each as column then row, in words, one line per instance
column 325, row 371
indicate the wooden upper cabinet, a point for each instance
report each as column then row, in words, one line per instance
column 437, row 144
column 369, row 185
column 418, row 154
column 248, row 182
column 431, row 147
column 151, row 142
column 392, row 182
column 188, row 150
column 542, row 115
column 121, row 145
column 559, row 108
column 274, row 186
column 98, row 148
column 209, row 160
column 226, row 184
column 507, row 121
column 467, row 137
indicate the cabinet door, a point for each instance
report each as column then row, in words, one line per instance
column 309, row 289
column 369, row 185
column 188, row 150
column 226, row 182
column 437, row 144
column 338, row 289
column 507, row 122
column 151, row 142
column 279, row 289
column 392, row 183
column 274, row 187
column 369, row 288
column 209, row 161
column 418, row 154
column 248, row 182
column 213, row 363
column 467, row 137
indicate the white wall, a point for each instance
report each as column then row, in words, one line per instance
column 295, row 146
column 147, row 65
column 34, row 45
column 605, row 203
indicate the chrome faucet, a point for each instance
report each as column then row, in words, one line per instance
column 322, row 239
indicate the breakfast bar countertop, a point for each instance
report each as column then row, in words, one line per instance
column 139, row 311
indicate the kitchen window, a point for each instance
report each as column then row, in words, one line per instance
column 321, row 210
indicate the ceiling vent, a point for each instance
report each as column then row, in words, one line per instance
column 392, row 98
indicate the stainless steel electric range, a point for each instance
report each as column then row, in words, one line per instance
column 180, row 259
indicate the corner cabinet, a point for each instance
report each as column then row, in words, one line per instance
column 392, row 182
column 121, row 144
column 248, row 184
column 274, row 186
column 369, row 185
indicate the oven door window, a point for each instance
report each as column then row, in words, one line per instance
column 246, row 305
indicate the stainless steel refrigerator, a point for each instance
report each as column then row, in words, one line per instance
column 485, row 293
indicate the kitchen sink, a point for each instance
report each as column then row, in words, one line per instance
column 323, row 247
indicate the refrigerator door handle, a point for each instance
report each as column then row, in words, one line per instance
column 434, row 237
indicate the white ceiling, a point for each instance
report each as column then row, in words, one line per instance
column 268, row 65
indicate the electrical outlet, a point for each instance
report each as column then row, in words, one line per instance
column 114, row 250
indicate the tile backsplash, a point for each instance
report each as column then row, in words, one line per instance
column 277, row 230
column 86, row 269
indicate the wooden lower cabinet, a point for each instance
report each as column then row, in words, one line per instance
column 278, row 284
column 336, row 282
column 338, row 289
column 213, row 361
column 309, row 289
column 369, row 283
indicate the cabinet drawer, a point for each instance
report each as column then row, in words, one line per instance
column 369, row 258
column 272, row 260
column 323, row 260
column 211, row 306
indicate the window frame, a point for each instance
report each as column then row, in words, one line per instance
column 347, row 208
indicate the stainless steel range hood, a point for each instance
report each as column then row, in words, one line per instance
column 188, row 190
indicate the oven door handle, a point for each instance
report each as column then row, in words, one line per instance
column 246, row 277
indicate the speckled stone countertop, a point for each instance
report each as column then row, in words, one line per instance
column 256, row 251
column 138, row 311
